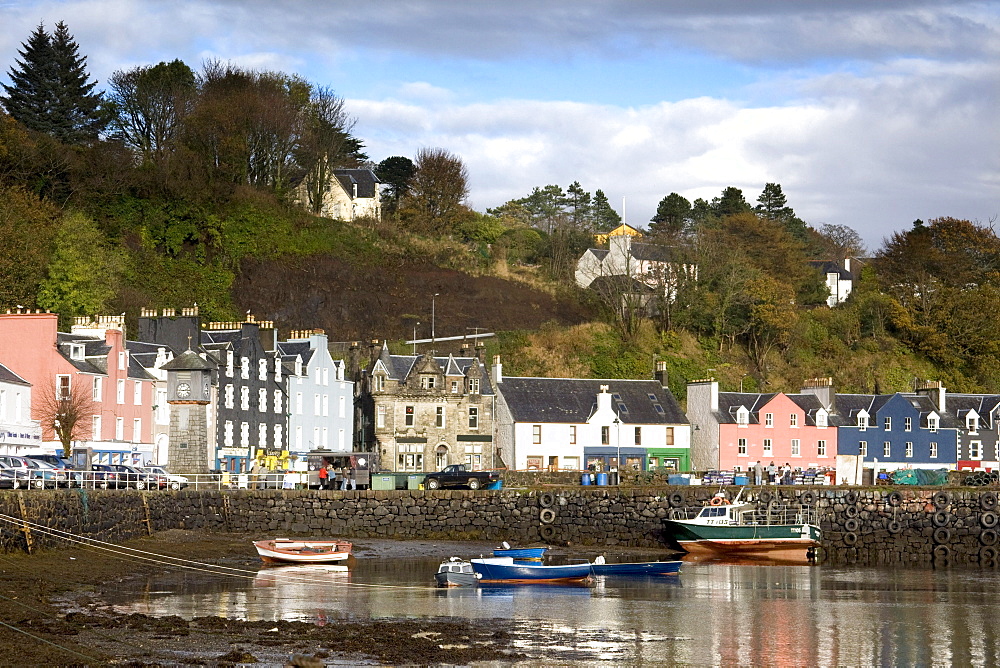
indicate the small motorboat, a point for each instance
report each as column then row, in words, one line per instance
column 600, row 567
column 507, row 569
column 456, row 572
column 290, row 551
column 520, row 553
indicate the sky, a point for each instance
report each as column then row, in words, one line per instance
column 869, row 114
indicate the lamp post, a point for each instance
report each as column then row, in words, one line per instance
column 741, row 381
column 618, row 442
column 415, row 338
column 433, row 300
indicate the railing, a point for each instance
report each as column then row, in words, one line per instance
column 207, row 481
column 772, row 514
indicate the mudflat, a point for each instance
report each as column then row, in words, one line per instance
column 53, row 613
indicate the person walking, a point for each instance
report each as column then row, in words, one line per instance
column 324, row 476
column 352, row 478
column 758, row 474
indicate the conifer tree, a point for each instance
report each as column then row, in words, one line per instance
column 50, row 91
column 605, row 218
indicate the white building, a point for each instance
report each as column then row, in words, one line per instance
column 18, row 432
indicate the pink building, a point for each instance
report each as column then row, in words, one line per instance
column 92, row 359
column 735, row 430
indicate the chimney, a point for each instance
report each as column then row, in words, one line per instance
column 497, row 370
column 661, row 373
column 604, row 399
column 822, row 389
column 936, row 391
column 847, row 264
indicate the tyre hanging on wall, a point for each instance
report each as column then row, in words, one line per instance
column 547, row 516
column 894, row 499
column 676, row 500
column 547, row 532
column 764, row 497
column 941, row 499
column 851, row 511
column 546, row 499
column 894, row 527
column 988, row 553
column 941, row 552
column 850, row 538
column 942, row 535
column 988, row 500
column 988, row 537
column 989, row 519
column 852, row 525
column 807, row 497
column 852, row 497
column 941, row 518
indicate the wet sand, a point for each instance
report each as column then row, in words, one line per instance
column 55, row 615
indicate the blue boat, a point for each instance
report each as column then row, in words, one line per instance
column 506, row 569
column 638, row 568
column 520, row 553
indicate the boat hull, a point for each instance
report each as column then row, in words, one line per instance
column 456, row 579
column 755, row 539
column 302, row 552
column 505, row 569
column 522, row 553
column 639, row 568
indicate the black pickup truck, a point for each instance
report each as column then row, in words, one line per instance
column 457, row 475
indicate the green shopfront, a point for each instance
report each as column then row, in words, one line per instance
column 668, row 459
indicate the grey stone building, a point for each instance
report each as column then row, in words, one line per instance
column 428, row 412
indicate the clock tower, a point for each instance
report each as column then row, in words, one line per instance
column 189, row 392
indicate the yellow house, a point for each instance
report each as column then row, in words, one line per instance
column 622, row 230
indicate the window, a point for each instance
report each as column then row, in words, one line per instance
column 262, row 369
column 121, row 392
column 245, row 434
column 796, row 448
column 454, row 387
column 227, row 437
column 137, row 393
column 122, row 361
column 821, row 419
column 863, row 448
column 975, row 450
column 638, row 435
column 821, row 448
column 380, row 417
column 95, row 428
column 909, row 448
column 298, row 437
column 768, row 419
column 316, row 408
column 907, row 424
column 326, row 405
column 863, row 422
column 605, row 436
column 342, row 406
column 741, row 448
column 261, row 435
column 277, row 401
column 887, row 424
column 793, row 420
column 98, row 388
column 245, row 367
column 409, row 416
column 119, row 429
column 886, row 449
column 473, row 386
column 536, row 433
column 230, row 391
column 378, row 383
column 932, row 424
column 439, row 416
column 137, row 430
column 972, row 424
column 326, row 376
column 427, row 382
column 767, row 446
column 278, row 437
column 474, row 418
column 742, row 417
column 262, row 400
column 933, row 449
column 62, row 387
column 245, row 398
column 229, row 363
column 669, row 440
column 572, row 434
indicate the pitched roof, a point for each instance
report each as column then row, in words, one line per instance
column 832, row 267
column 365, row 179
column 652, row 252
column 8, row 376
column 398, row 367
column 292, row 348
column 189, row 360
column 573, row 400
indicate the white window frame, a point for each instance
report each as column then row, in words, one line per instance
column 120, row 391
column 137, row 430
column 887, row 448
column 907, row 424
column 137, row 393
column 119, row 429
column 768, row 447
column 887, row 423
column 933, row 449
column 741, row 447
column 98, row 388
column 768, row 419
column 439, row 417
column 474, row 421
column 796, row 447
column 821, row 448
column 975, row 449
column 909, row 449
column 863, row 448
column 793, row 420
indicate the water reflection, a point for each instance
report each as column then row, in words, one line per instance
column 712, row 613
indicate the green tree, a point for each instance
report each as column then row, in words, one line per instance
column 729, row 203
column 150, row 105
column 772, row 205
column 84, row 269
column 578, row 206
column 605, row 218
column 326, row 144
column 672, row 216
column 27, row 226
column 396, row 172
column 50, row 90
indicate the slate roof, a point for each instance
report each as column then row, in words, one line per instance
column 8, row 376
column 984, row 404
column 652, row 252
column 849, row 405
column 398, row 367
column 365, row 179
column 574, row 400
column 291, row 349
column 831, row 267
column 189, row 360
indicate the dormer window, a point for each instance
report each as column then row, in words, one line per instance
column 742, row 416
column 77, row 351
column 473, row 386
column 972, row 424
column 378, row 383
column 862, row 422
column 821, row 419
column 427, row 382
column 932, row 424
column 298, row 366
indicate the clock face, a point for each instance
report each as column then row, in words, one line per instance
column 183, row 390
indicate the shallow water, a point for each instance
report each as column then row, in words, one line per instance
column 712, row 613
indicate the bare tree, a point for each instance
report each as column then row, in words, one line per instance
column 438, row 190
column 65, row 412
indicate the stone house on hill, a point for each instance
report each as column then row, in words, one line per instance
column 350, row 194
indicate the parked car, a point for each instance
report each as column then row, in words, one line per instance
column 22, row 470
column 173, row 481
column 133, row 476
column 8, row 479
column 458, row 475
column 103, row 476
column 63, row 467
column 43, row 475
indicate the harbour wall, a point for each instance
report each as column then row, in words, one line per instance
column 860, row 525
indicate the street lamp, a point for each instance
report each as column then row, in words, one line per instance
column 741, row 381
column 433, row 299
column 618, row 441
column 415, row 337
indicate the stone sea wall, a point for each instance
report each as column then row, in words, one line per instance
column 864, row 526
